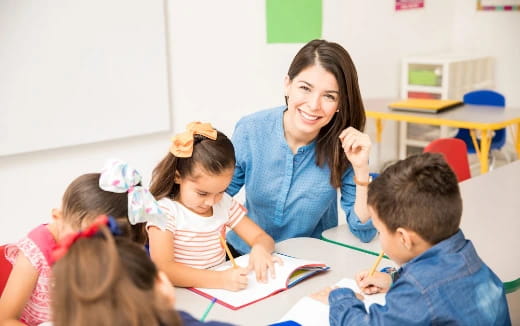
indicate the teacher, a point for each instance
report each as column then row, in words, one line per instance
column 293, row 159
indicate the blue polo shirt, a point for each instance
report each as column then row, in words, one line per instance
column 287, row 194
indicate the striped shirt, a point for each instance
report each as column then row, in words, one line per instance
column 196, row 239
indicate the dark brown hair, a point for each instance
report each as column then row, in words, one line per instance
column 213, row 156
column 336, row 60
column 84, row 200
column 103, row 281
column 420, row 193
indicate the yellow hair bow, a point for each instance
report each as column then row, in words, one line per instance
column 182, row 144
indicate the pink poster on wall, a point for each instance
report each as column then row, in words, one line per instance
column 408, row 4
column 498, row 5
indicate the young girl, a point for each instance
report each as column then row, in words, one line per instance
column 114, row 283
column 115, row 192
column 190, row 184
column 92, row 287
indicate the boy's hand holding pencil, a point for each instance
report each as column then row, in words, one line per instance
column 376, row 283
column 372, row 282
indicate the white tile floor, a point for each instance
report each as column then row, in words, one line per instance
column 502, row 157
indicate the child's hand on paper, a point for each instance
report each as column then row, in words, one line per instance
column 377, row 283
column 235, row 279
column 323, row 294
column 262, row 262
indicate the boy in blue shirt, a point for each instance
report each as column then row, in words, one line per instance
column 416, row 206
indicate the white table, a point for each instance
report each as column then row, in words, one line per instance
column 344, row 262
column 490, row 219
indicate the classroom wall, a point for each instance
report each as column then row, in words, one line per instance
column 221, row 69
column 492, row 33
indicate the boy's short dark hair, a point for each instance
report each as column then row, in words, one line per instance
column 419, row 193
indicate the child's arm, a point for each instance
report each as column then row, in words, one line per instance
column 323, row 294
column 17, row 291
column 262, row 246
column 377, row 283
column 162, row 252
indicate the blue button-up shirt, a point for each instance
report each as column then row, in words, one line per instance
column 446, row 285
column 287, row 194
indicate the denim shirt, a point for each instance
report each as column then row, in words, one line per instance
column 446, row 285
column 287, row 194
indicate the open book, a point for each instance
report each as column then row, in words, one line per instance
column 308, row 311
column 290, row 273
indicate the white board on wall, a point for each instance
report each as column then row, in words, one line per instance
column 75, row 72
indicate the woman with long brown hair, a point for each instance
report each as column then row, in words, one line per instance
column 293, row 159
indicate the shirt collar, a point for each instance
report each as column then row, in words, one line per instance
column 451, row 244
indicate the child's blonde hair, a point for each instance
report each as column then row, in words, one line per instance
column 102, row 280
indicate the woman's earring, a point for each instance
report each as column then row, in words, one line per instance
column 337, row 110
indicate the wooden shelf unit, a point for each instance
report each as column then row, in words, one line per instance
column 442, row 77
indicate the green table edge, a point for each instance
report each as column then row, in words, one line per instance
column 352, row 247
column 512, row 286
column 509, row 287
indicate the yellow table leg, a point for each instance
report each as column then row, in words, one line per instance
column 517, row 141
column 379, row 133
column 474, row 141
column 379, row 130
column 485, row 143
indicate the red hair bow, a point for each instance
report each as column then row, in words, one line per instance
column 63, row 246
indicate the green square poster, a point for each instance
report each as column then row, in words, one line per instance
column 293, row 21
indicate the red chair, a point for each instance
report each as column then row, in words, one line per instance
column 455, row 153
column 5, row 269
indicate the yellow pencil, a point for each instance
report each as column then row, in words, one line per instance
column 378, row 260
column 224, row 244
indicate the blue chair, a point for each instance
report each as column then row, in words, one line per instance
column 490, row 98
